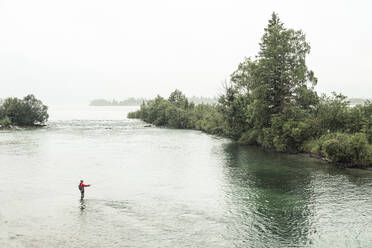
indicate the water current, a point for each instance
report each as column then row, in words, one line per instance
column 158, row 187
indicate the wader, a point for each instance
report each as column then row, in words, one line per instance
column 82, row 193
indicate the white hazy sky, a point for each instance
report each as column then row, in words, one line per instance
column 73, row 51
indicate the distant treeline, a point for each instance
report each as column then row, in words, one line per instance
column 138, row 101
column 270, row 101
column 356, row 101
column 28, row 111
column 127, row 102
column 202, row 100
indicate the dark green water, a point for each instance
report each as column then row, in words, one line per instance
column 157, row 187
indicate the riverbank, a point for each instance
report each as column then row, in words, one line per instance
column 316, row 156
column 310, row 135
column 15, row 127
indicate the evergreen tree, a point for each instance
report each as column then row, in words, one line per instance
column 276, row 82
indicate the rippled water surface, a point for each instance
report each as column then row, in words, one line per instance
column 156, row 187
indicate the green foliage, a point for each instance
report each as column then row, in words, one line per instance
column 23, row 112
column 177, row 117
column 178, row 100
column 270, row 101
column 5, row 122
column 287, row 134
column 332, row 113
column 280, row 76
column 272, row 94
column 233, row 106
column 177, row 112
column 349, row 149
column 249, row 137
column 208, row 118
column 312, row 146
column 367, row 115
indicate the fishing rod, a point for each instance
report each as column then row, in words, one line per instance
column 100, row 181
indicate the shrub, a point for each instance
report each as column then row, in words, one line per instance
column 311, row 146
column 349, row 149
column 5, row 122
column 24, row 112
column 177, row 112
column 249, row 137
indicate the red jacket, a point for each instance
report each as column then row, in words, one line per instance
column 84, row 185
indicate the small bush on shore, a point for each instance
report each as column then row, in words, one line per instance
column 350, row 149
column 28, row 111
column 5, row 122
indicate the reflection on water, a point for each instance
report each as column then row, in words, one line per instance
column 154, row 187
column 273, row 198
column 294, row 201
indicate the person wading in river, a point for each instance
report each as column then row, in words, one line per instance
column 81, row 188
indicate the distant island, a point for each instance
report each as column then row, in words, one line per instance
column 203, row 100
column 127, row 102
column 138, row 101
column 357, row 101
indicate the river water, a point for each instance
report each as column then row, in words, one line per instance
column 156, row 187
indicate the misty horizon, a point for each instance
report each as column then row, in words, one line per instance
column 74, row 52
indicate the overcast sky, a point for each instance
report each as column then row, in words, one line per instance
column 74, row 51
